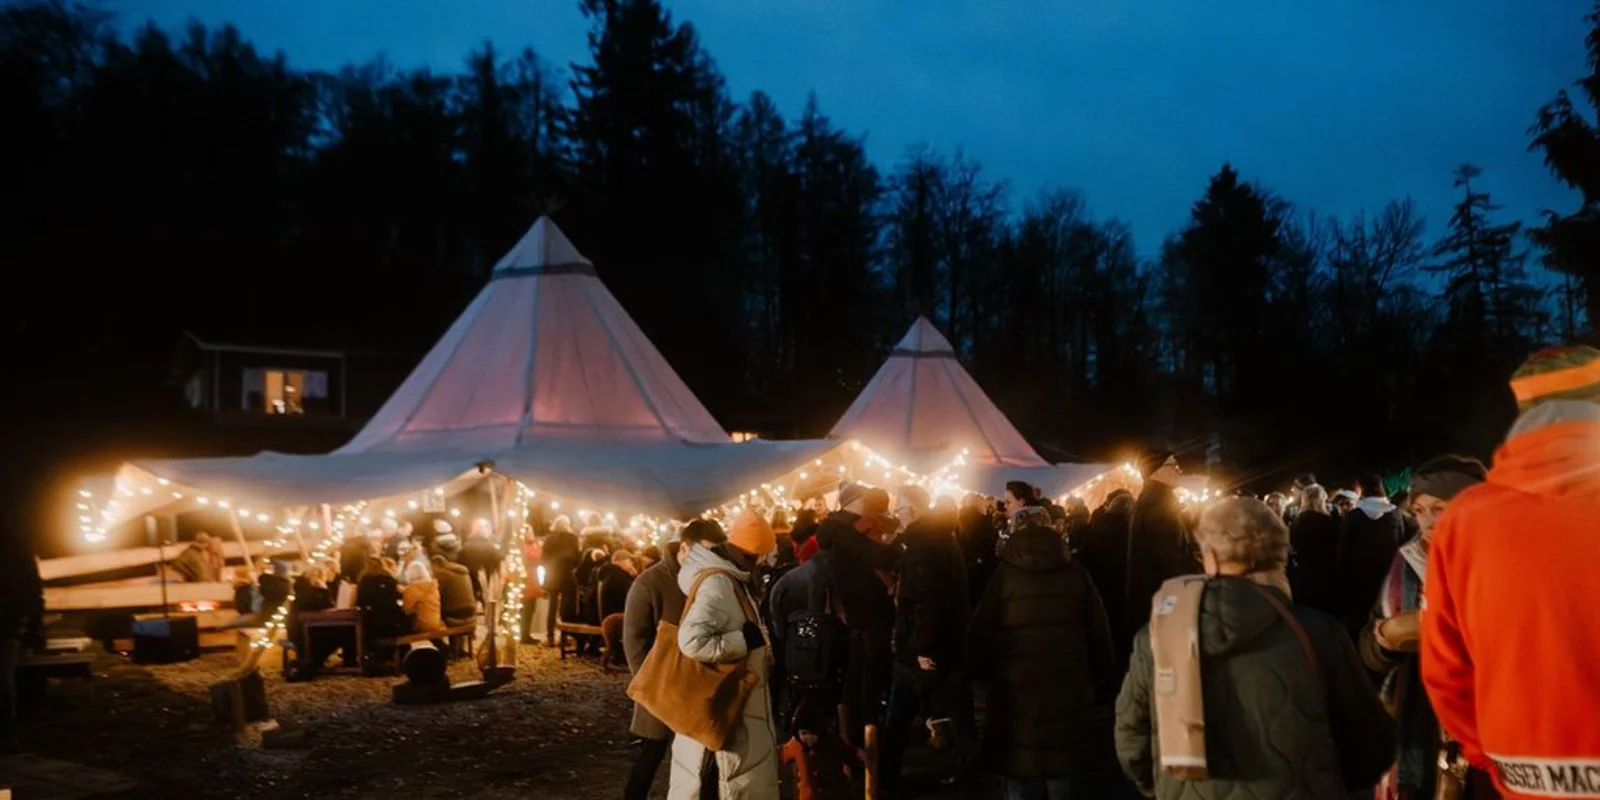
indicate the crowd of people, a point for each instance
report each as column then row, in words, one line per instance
column 1288, row 647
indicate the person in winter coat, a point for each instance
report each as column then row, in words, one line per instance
column 1103, row 551
column 455, row 592
column 378, row 597
column 652, row 599
column 979, row 538
column 862, row 598
column 1369, row 537
column 929, row 634
column 1314, row 545
column 560, row 559
column 1159, row 545
column 615, row 580
column 480, row 556
column 720, row 626
column 1388, row 645
column 419, row 598
column 1279, row 721
column 1509, row 637
column 1040, row 643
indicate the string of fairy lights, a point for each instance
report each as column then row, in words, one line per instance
column 328, row 530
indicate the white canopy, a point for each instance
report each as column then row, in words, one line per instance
column 546, row 378
column 923, row 409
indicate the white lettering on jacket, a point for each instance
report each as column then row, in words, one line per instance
column 1550, row 777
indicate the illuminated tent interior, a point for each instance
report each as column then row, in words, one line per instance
column 923, row 410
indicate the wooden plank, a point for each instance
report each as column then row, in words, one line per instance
column 54, row 569
column 203, row 620
column 78, row 598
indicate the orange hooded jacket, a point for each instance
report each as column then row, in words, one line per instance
column 1511, row 624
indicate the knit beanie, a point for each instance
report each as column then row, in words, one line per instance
column 1446, row 476
column 1558, row 373
column 752, row 534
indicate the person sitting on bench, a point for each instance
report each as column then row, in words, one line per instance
column 455, row 592
column 420, row 599
column 311, row 593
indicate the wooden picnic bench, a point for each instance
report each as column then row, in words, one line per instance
column 459, row 637
column 61, row 659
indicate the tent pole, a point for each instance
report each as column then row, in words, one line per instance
column 327, row 521
column 238, row 533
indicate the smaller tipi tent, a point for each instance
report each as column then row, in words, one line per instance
column 923, row 409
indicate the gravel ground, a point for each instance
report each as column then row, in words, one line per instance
column 558, row 731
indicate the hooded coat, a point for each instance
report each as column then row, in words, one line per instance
column 1273, row 729
column 711, row 632
column 1509, row 640
column 1040, row 642
column 857, row 589
column 652, row 599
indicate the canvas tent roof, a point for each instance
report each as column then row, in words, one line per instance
column 545, row 375
column 922, row 408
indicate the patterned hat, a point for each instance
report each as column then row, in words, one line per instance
column 1558, row 373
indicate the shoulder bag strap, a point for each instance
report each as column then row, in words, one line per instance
column 1299, row 631
column 743, row 594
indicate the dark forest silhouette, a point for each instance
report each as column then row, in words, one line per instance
column 183, row 180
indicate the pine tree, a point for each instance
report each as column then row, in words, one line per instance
column 1571, row 146
column 1491, row 303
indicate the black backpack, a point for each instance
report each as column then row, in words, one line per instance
column 816, row 645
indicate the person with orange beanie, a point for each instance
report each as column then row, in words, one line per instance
column 1510, row 635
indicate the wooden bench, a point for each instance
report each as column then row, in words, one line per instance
column 572, row 632
column 460, row 638
column 34, row 670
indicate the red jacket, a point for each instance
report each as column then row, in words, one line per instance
column 1511, row 624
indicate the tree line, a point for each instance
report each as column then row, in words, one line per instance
column 170, row 180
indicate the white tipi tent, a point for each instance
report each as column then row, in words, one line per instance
column 924, row 410
column 546, row 377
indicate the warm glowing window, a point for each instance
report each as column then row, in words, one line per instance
column 744, row 436
column 285, row 391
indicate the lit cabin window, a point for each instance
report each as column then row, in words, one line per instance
column 285, row 391
column 745, row 436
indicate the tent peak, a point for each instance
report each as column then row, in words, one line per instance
column 923, row 338
column 543, row 246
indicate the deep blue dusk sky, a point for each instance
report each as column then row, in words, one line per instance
column 1336, row 106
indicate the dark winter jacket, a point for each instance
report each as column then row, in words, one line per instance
column 1369, row 536
column 1159, row 548
column 479, row 555
column 861, row 595
column 652, row 599
column 614, row 585
column 931, row 598
column 378, row 597
column 455, row 591
column 1274, row 729
column 1103, row 551
column 978, row 539
column 560, row 559
column 1314, row 574
column 800, row 589
column 353, row 553
column 1040, row 641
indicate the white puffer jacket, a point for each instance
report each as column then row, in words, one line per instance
column 710, row 632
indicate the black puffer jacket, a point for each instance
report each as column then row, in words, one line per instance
column 1040, row 641
column 932, row 605
column 1273, row 730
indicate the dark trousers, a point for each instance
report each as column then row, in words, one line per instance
column 557, row 597
column 868, row 678
column 526, row 619
column 651, row 753
column 940, row 694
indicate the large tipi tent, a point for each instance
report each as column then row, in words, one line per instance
column 546, row 378
column 922, row 409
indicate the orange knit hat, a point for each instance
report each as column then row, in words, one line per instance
column 1558, row 373
column 752, row 534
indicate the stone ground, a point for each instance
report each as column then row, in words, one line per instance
column 558, row 731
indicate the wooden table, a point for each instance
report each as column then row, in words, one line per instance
column 333, row 618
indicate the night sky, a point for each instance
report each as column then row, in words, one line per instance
column 1337, row 106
